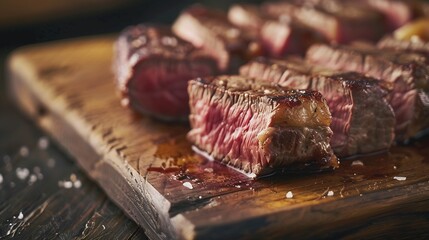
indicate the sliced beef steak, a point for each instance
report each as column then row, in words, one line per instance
column 279, row 36
column 153, row 67
column 396, row 12
column 339, row 21
column 257, row 127
column 211, row 30
column 362, row 120
column 406, row 76
column 415, row 46
column 400, row 12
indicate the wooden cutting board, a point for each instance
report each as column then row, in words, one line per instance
column 142, row 164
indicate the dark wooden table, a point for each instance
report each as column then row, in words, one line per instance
column 43, row 194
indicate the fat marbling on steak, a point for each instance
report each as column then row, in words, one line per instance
column 405, row 75
column 362, row 120
column 152, row 68
column 256, row 126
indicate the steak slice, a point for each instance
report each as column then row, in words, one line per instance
column 362, row 120
column 415, row 46
column 279, row 36
column 152, row 68
column 256, row 126
column 406, row 75
column 339, row 21
column 396, row 12
column 211, row 30
column 400, row 12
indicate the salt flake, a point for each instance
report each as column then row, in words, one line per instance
column 289, row 195
column 357, row 163
column 43, row 143
column 188, row 185
column 330, row 193
column 400, row 178
column 22, row 173
column 32, row 179
column 20, row 216
column 77, row 184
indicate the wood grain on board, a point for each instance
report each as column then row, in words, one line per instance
column 36, row 205
column 68, row 88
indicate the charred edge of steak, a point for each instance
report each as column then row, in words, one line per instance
column 152, row 67
column 407, row 75
column 338, row 21
column 210, row 29
column 255, row 126
column 349, row 96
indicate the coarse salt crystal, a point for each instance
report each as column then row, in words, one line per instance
column 32, row 179
column 43, row 143
column 289, row 195
column 400, row 178
column 209, row 170
column 20, row 216
column 22, row 173
column 188, row 185
column 65, row 184
column 357, row 163
column 330, row 193
column 77, row 184
column 23, row 151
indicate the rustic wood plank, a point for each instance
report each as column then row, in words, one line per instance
column 68, row 88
